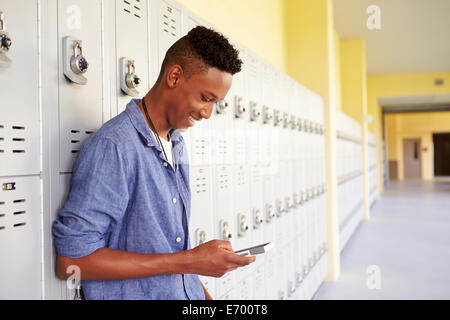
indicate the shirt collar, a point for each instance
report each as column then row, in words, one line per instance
column 139, row 123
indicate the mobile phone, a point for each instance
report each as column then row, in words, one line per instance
column 262, row 248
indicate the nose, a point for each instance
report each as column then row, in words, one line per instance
column 206, row 113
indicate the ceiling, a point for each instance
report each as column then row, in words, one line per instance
column 414, row 35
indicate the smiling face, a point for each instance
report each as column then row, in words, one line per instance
column 192, row 99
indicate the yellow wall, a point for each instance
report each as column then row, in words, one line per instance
column 415, row 125
column 408, row 84
column 337, row 63
column 255, row 24
column 353, row 77
column 311, row 60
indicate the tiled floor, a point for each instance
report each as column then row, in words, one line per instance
column 407, row 239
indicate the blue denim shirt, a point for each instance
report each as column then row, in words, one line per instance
column 123, row 196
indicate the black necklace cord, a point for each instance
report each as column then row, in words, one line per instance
column 153, row 128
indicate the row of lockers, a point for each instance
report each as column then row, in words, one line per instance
column 350, row 174
column 257, row 166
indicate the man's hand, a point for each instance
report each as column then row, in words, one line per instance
column 215, row 258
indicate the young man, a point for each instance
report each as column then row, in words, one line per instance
column 125, row 223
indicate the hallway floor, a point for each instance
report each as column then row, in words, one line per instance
column 408, row 238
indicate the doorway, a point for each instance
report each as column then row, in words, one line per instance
column 441, row 143
column 412, row 159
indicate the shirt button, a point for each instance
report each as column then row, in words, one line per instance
column 174, row 200
column 165, row 164
column 178, row 239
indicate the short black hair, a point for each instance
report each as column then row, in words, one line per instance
column 200, row 49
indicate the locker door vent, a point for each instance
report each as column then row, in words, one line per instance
column 241, row 178
column 252, row 69
column 18, row 140
column 223, row 150
column 133, row 7
column 200, row 146
column 77, row 138
column 223, row 181
column 1, row 139
column 200, row 185
column 169, row 22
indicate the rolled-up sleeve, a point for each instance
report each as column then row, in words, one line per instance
column 97, row 200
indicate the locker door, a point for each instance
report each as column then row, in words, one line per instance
column 242, row 215
column 224, row 222
column 201, row 220
column 19, row 83
column 200, row 137
column 168, row 18
column 221, row 132
column 244, row 289
column 20, row 234
column 132, row 65
column 258, row 279
column 80, row 95
column 256, row 204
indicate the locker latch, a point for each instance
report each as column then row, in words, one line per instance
column 267, row 115
column 280, row 208
column 276, row 117
column 311, row 194
column 305, row 270
column 129, row 80
column 308, row 126
column 322, row 129
column 5, row 44
column 270, row 214
column 291, row 288
column 221, row 107
column 293, row 122
column 300, row 124
column 239, row 108
column 74, row 63
column 255, row 113
column 225, row 230
column 243, row 226
column 257, row 218
column 298, row 278
column 304, row 196
column 289, row 203
column 316, row 128
column 5, row 40
column 200, row 236
column 297, row 199
column 286, row 119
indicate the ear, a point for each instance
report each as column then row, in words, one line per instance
column 174, row 76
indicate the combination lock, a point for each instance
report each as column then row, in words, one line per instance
column 293, row 122
column 78, row 62
column 221, row 107
column 277, row 117
column 225, row 230
column 286, row 122
column 5, row 40
column 300, row 124
column 75, row 64
column 200, row 236
column 280, row 208
column 267, row 115
column 240, row 108
column 270, row 212
column 257, row 218
column 129, row 80
column 243, row 226
column 254, row 111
